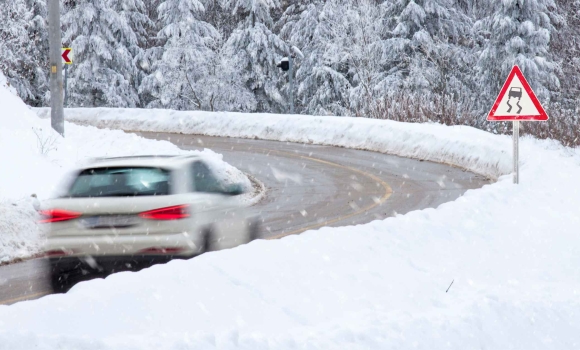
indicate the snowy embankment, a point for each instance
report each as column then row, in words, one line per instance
column 512, row 252
column 460, row 146
column 34, row 158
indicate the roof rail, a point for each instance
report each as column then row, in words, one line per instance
column 133, row 157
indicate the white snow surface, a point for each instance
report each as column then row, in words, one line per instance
column 26, row 170
column 465, row 147
column 512, row 252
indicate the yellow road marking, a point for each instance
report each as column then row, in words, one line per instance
column 386, row 195
column 24, row 297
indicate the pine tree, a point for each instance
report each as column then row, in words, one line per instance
column 565, row 48
column 136, row 14
column 23, row 63
column 151, row 51
column 184, row 60
column 519, row 34
column 104, row 44
column 254, row 50
column 321, row 90
column 221, row 88
column 425, row 43
column 38, row 52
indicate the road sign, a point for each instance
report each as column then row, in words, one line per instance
column 66, row 55
column 517, row 101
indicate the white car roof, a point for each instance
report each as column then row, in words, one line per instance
column 139, row 161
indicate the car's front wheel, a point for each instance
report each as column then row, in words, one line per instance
column 254, row 229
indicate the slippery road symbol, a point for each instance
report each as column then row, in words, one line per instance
column 518, row 99
column 515, row 92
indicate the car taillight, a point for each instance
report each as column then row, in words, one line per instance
column 54, row 215
column 169, row 213
column 161, row 250
column 58, row 252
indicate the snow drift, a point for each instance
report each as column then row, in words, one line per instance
column 511, row 252
column 465, row 147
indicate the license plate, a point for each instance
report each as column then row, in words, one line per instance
column 109, row 221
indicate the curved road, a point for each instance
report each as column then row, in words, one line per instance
column 308, row 186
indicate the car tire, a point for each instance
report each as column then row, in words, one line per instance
column 60, row 282
column 208, row 240
column 254, row 230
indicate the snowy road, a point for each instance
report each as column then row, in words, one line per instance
column 308, row 186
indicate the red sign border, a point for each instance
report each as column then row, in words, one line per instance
column 543, row 116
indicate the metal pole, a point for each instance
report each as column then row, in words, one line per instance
column 55, row 43
column 65, row 85
column 291, row 64
column 516, row 136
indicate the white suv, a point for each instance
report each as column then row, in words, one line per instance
column 118, row 213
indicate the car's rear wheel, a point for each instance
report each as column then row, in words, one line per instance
column 208, row 240
column 65, row 273
column 60, row 282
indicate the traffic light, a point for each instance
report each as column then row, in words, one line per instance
column 284, row 64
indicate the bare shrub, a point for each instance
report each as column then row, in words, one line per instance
column 563, row 126
column 420, row 109
column 45, row 141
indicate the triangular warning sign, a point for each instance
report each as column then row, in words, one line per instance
column 517, row 101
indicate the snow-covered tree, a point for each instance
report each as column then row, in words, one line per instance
column 136, row 15
column 565, row 49
column 223, row 21
column 517, row 32
column 13, row 36
column 102, row 35
column 354, row 36
column 186, row 58
column 421, row 36
column 220, row 87
column 38, row 52
column 321, row 89
column 254, row 50
column 23, row 45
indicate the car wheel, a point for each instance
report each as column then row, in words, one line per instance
column 208, row 240
column 254, row 230
column 60, row 282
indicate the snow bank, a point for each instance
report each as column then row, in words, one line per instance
column 512, row 252
column 24, row 172
column 460, row 146
column 34, row 158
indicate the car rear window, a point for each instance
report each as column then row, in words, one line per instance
column 121, row 182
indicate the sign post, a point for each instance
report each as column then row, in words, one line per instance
column 54, row 40
column 516, row 138
column 66, row 55
column 291, row 83
column 517, row 102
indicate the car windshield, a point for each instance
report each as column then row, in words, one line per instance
column 121, row 182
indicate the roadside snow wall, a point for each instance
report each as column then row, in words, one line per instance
column 465, row 147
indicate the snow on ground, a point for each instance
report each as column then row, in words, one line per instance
column 512, row 252
column 462, row 146
column 34, row 158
